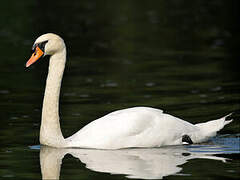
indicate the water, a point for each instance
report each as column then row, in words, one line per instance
column 191, row 162
column 178, row 56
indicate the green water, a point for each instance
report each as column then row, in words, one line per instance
column 179, row 56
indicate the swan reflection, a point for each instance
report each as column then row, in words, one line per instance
column 154, row 163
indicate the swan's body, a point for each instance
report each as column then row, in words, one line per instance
column 138, row 127
column 133, row 127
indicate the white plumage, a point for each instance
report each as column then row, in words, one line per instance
column 141, row 127
column 133, row 127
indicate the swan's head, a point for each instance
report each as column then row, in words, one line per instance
column 46, row 44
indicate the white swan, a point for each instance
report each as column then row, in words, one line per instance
column 133, row 127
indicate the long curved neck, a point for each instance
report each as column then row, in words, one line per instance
column 50, row 132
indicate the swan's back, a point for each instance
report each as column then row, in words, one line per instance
column 133, row 127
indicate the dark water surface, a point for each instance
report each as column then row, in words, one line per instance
column 179, row 56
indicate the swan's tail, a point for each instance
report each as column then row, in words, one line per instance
column 210, row 128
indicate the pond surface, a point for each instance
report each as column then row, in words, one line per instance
column 217, row 158
column 178, row 56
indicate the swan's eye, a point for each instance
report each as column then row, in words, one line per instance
column 41, row 45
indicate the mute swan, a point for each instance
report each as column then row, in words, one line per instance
column 133, row 127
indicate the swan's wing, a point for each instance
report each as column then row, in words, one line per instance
column 133, row 127
column 115, row 126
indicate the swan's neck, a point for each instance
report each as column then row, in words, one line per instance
column 50, row 132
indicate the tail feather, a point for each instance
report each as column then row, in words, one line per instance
column 228, row 118
column 210, row 128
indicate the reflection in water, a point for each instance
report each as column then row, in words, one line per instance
column 152, row 163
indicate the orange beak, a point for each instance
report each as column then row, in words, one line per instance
column 35, row 56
